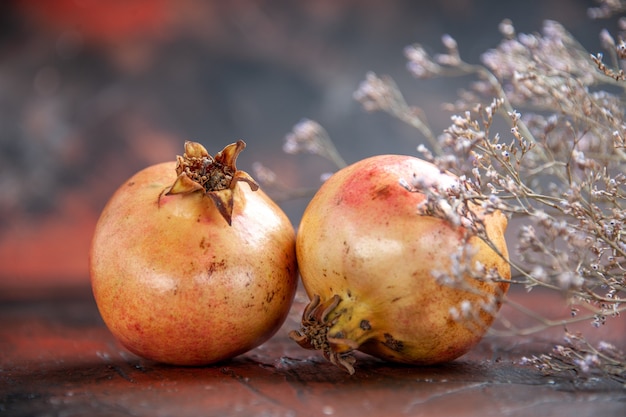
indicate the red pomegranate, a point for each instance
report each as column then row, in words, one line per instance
column 191, row 263
column 370, row 259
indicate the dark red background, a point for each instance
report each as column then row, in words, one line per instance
column 91, row 92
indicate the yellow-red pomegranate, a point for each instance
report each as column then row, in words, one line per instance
column 191, row 263
column 371, row 261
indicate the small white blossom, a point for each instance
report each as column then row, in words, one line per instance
column 304, row 138
column 466, row 308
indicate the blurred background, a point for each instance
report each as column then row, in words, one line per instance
column 92, row 91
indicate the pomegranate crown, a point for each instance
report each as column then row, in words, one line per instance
column 215, row 176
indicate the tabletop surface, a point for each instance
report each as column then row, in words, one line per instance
column 58, row 359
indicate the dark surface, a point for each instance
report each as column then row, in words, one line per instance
column 58, row 359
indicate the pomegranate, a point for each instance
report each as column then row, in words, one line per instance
column 371, row 261
column 191, row 263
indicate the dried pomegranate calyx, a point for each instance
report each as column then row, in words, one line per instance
column 215, row 176
column 317, row 320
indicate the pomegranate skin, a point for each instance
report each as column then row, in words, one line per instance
column 367, row 256
column 176, row 284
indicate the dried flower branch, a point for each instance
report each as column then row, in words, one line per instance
column 309, row 136
column 560, row 171
column 616, row 75
column 606, row 9
column 586, row 361
column 382, row 93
